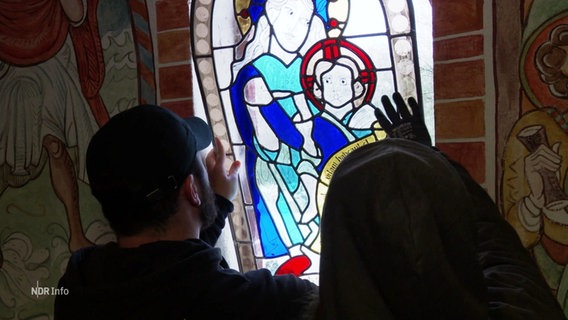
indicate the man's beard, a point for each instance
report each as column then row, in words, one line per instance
column 208, row 206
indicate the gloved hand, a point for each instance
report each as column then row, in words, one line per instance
column 400, row 123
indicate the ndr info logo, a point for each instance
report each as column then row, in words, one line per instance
column 48, row 291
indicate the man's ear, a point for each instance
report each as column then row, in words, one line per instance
column 191, row 191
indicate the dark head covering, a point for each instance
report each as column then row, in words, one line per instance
column 143, row 153
column 398, row 238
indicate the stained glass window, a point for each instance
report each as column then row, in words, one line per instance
column 290, row 86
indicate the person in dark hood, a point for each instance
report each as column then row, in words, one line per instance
column 407, row 234
column 167, row 204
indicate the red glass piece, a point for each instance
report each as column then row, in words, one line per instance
column 296, row 266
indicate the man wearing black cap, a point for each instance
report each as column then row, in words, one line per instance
column 167, row 205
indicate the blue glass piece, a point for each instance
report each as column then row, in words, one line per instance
column 295, row 157
column 289, row 106
column 313, row 109
column 360, row 133
column 282, row 125
column 290, row 176
column 265, row 155
column 278, row 76
column 271, row 155
column 320, row 7
column 242, row 117
column 256, row 9
column 271, row 243
column 329, row 138
column 289, row 222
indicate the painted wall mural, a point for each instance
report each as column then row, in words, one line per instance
column 49, row 108
column 64, row 70
column 535, row 181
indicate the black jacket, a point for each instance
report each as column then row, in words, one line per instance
column 174, row 280
column 408, row 234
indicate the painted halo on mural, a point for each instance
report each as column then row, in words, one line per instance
column 544, row 64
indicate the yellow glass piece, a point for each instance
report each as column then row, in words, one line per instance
column 244, row 23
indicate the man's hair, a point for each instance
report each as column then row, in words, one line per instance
column 128, row 219
column 138, row 161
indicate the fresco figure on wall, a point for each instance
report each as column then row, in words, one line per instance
column 42, row 121
column 535, row 181
column 51, row 71
column 63, row 72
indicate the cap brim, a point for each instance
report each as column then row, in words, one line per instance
column 201, row 131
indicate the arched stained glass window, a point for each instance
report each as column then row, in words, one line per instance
column 290, row 86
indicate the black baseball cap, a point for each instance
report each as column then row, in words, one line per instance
column 142, row 154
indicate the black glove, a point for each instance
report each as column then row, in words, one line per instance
column 400, row 123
